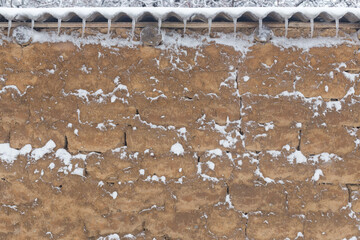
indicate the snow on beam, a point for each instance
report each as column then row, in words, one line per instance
column 88, row 14
column 179, row 25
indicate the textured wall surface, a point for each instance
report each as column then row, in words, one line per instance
column 186, row 143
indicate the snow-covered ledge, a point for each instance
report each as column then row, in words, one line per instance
column 182, row 14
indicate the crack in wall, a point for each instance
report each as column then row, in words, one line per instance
column 125, row 140
column 349, row 192
column 299, row 137
column 348, row 186
column 66, row 145
column 246, row 225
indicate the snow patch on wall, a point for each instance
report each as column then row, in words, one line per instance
column 177, row 149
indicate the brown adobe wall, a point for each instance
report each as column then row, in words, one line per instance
column 269, row 138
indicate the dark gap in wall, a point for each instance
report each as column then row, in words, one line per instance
column 84, row 227
column 241, row 131
column 236, row 77
column 85, row 172
column 246, row 225
column 298, row 147
column 286, row 201
column 349, row 192
column 66, row 146
column 125, row 142
column 348, row 186
column 241, row 103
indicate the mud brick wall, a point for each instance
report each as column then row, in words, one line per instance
column 179, row 143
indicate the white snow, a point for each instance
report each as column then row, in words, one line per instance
column 155, row 178
column 114, row 195
column 214, row 153
column 307, row 43
column 38, row 153
column 101, row 126
column 205, row 177
column 78, row 171
column 130, row 236
column 334, row 105
column 352, row 238
column 325, row 157
column 274, row 153
column 174, row 40
column 99, row 95
column 182, row 133
column 141, row 171
column 184, row 13
column 300, row 235
column 12, row 88
column 317, row 174
column 113, row 236
column 286, row 147
column 269, row 125
column 257, row 172
column 8, row 154
column 64, row 156
column 25, row 150
column 51, row 166
column 230, row 139
column 211, row 165
column 297, row 156
column 177, row 149
column 351, row 76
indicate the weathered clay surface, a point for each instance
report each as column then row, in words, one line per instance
column 183, row 143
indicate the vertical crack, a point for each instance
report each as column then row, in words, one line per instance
column 349, row 192
column 241, row 106
column 236, row 78
column 299, row 137
column 86, row 173
column 66, row 145
column 246, row 225
column 294, row 83
column 8, row 137
column 125, row 141
column 286, row 201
